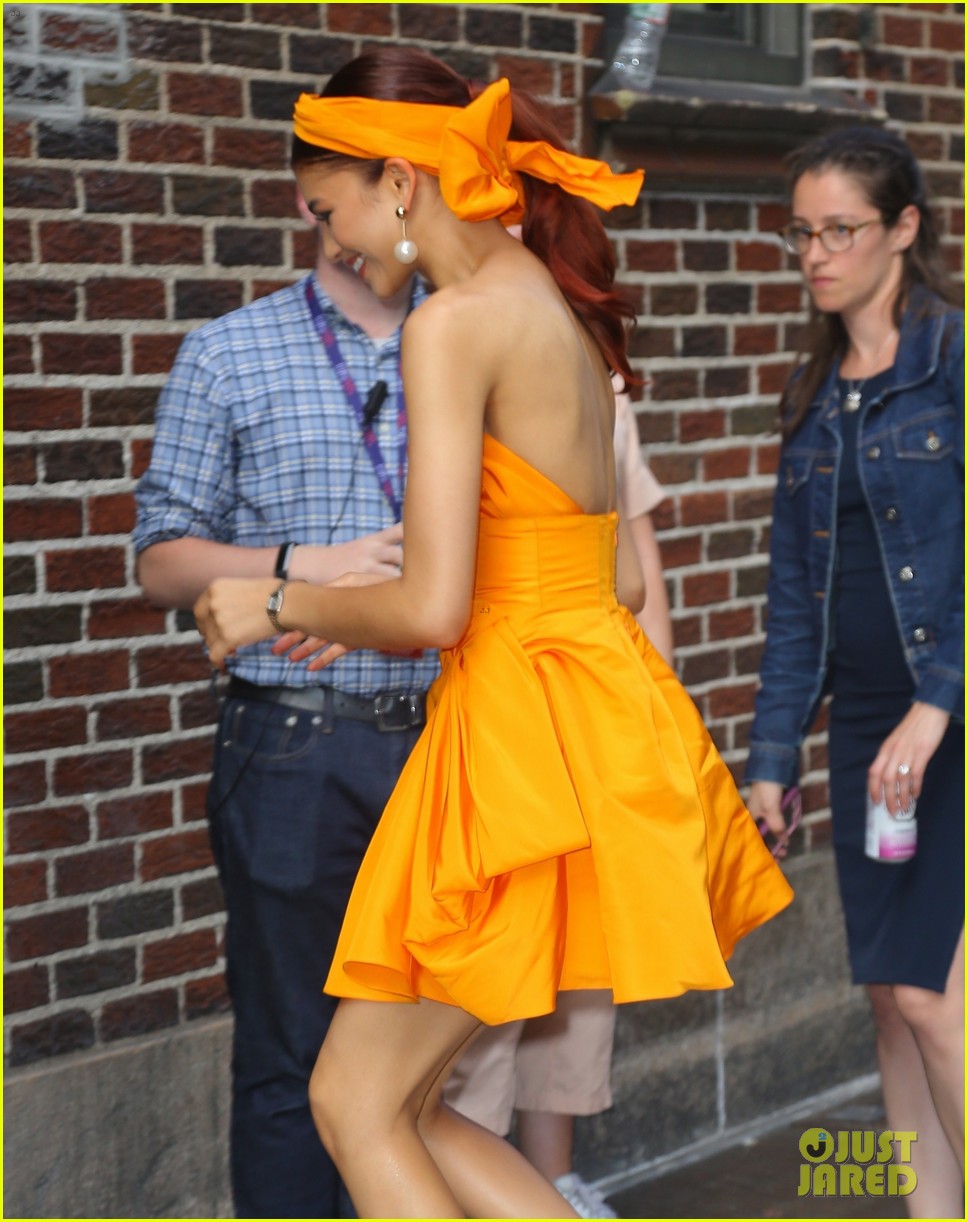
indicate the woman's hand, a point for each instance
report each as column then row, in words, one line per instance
column 897, row 773
column 320, row 652
column 764, row 805
column 232, row 613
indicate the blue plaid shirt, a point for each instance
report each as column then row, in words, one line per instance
column 256, row 444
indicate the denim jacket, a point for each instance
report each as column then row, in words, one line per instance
column 911, row 455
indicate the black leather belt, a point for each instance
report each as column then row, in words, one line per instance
column 388, row 711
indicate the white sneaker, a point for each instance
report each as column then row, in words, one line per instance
column 585, row 1200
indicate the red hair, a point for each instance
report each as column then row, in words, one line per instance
column 565, row 232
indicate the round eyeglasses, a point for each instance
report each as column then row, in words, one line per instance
column 835, row 237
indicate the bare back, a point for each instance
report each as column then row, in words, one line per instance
column 551, row 399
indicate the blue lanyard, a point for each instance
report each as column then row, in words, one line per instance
column 336, row 359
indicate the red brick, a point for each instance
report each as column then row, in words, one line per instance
column 170, row 760
column 771, row 217
column 759, row 257
column 92, row 773
column 197, row 708
column 535, row 76
column 181, row 853
column 207, row 996
column 19, row 465
column 754, row 504
column 374, row 19
column 724, row 625
column 112, row 514
column 24, row 882
column 39, row 301
column 702, row 588
column 731, row 701
column 24, row 784
column 79, row 241
column 779, row 298
column 139, row 1015
column 78, row 34
column 58, row 407
column 140, row 457
column 304, row 245
column 154, row 353
column 125, row 298
column 701, row 426
column 36, row 936
column 262, row 288
column 177, row 143
column 25, row 989
column 202, row 897
column 754, row 340
column 950, row 110
column 85, row 568
column 94, row 870
column 41, row 831
column 167, row 244
column 669, row 384
column 134, row 815
column 767, row 459
column 17, row 246
column 124, row 618
column 133, row 718
column 83, row 674
column 902, row 31
column 687, row 630
column 164, row 664
column 275, row 197
column 189, row 952
column 205, row 93
column 18, row 354
column 55, row 726
column 305, row 16
column 79, row 354
column 193, row 798
column 771, row 379
column 645, row 256
column 674, row 468
column 678, row 552
column 930, row 70
column 16, row 138
column 250, row 149
column 726, row 464
column 702, row 508
column 947, row 35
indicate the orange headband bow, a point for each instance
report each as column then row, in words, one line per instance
column 466, row 147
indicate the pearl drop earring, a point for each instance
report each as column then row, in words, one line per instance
column 405, row 251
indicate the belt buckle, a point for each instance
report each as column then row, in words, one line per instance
column 394, row 711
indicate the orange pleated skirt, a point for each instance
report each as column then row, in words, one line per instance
column 564, row 821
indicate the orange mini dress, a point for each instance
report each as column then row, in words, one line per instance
column 564, row 820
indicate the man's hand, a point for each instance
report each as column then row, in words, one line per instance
column 379, row 555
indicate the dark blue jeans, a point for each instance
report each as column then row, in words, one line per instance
column 292, row 805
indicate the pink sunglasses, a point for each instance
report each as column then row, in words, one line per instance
column 791, row 807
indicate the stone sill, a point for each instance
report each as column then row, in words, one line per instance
column 715, row 135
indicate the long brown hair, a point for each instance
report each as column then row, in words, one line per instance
column 887, row 172
column 565, row 232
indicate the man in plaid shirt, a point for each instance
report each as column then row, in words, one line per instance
column 261, row 465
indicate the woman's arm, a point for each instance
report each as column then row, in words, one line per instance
column 447, row 380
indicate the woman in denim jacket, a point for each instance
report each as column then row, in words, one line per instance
column 866, row 602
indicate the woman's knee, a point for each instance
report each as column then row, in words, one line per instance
column 929, row 1014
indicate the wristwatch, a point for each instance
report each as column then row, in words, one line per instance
column 274, row 606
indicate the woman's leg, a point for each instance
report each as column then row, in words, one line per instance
column 402, row 1154
column 920, row 1049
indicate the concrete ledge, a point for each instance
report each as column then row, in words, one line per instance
column 135, row 1131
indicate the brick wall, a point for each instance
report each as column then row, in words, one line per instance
column 146, row 190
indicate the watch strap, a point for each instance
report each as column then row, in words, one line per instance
column 274, row 606
column 283, row 560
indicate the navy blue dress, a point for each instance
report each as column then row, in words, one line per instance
column 903, row 920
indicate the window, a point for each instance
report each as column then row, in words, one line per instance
column 754, row 43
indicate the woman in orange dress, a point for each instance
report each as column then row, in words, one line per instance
column 564, row 821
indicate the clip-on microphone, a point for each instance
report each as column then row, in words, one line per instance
column 374, row 401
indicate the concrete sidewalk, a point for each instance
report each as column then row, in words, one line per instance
column 757, row 1176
